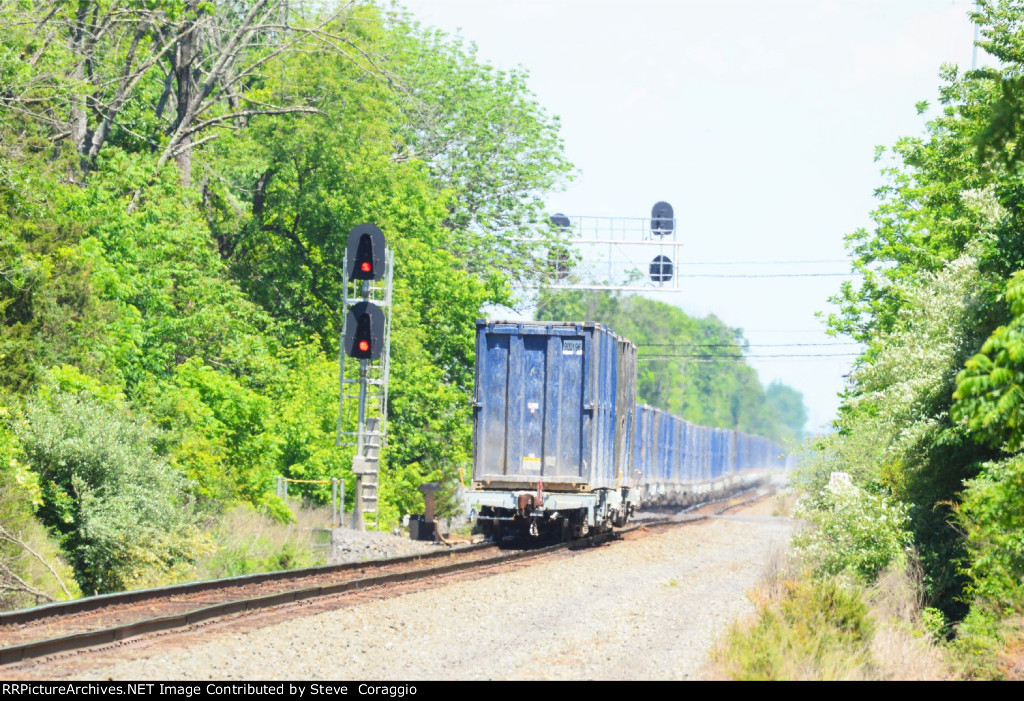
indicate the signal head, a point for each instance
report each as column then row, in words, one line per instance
column 365, row 253
column 364, row 331
column 662, row 219
column 560, row 220
column 661, row 269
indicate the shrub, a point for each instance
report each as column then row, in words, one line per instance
column 992, row 513
column 979, row 640
column 856, row 532
column 31, row 571
column 815, row 630
column 832, row 628
column 123, row 514
column 934, row 623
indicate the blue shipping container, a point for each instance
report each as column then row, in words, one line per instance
column 554, row 403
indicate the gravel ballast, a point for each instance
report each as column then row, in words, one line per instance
column 646, row 608
column 359, row 546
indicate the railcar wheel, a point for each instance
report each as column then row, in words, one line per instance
column 582, row 528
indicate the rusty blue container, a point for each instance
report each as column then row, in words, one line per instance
column 553, row 404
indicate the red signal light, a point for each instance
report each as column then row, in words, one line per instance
column 366, row 253
column 364, row 330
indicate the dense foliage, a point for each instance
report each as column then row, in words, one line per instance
column 121, row 511
column 935, row 407
column 177, row 181
column 857, row 534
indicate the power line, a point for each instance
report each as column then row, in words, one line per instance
column 763, row 275
column 762, row 262
column 708, row 356
column 749, row 345
column 817, row 331
column 737, row 358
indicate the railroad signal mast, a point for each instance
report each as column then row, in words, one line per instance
column 366, row 339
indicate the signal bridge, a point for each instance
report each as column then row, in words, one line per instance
column 618, row 253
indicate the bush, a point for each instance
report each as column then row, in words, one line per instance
column 833, row 628
column 816, row 630
column 979, row 640
column 992, row 513
column 31, row 571
column 856, row 533
column 894, row 429
column 123, row 514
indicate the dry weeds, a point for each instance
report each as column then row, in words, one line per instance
column 897, row 650
column 249, row 541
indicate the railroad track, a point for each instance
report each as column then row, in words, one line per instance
column 91, row 621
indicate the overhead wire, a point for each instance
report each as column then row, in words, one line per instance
column 741, row 355
column 680, row 264
column 764, row 275
column 744, row 358
column 763, row 262
column 742, row 346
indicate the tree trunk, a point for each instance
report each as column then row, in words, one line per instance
column 183, row 77
column 78, row 120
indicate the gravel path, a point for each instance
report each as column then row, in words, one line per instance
column 648, row 608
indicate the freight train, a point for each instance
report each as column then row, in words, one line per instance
column 560, row 444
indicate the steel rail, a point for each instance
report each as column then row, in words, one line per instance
column 77, row 641
column 92, row 603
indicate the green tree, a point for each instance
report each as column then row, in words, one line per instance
column 487, row 141
column 934, row 200
column 993, row 515
column 177, row 181
column 934, row 407
column 894, row 431
column 989, row 397
column 788, row 405
column 928, row 297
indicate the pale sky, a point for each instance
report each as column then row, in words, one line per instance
column 756, row 120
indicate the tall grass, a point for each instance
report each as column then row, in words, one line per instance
column 831, row 629
column 249, row 542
